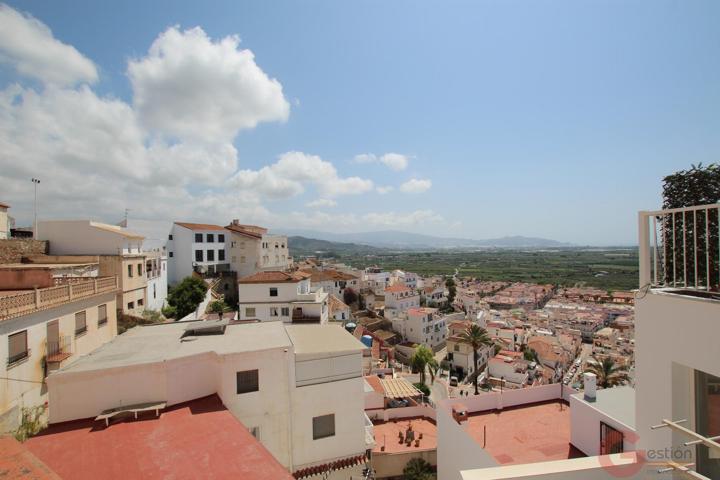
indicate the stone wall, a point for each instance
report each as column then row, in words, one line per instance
column 12, row 251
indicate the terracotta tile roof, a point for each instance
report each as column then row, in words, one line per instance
column 335, row 303
column 397, row 288
column 16, row 462
column 251, row 231
column 374, row 382
column 328, row 275
column 274, row 277
column 199, row 226
column 421, row 310
column 196, row 439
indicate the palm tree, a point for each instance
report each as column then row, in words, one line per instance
column 608, row 373
column 422, row 358
column 476, row 336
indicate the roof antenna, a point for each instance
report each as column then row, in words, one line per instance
column 127, row 210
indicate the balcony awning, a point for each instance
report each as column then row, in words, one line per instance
column 399, row 388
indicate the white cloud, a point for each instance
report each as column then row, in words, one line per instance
column 321, row 203
column 191, row 87
column 293, row 172
column 394, row 161
column 415, row 185
column 29, row 46
column 384, row 190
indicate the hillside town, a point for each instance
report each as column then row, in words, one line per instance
column 281, row 344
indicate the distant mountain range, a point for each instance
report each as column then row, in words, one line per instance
column 393, row 239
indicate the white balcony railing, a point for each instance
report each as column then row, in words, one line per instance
column 680, row 248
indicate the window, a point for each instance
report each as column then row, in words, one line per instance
column 80, row 325
column 242, row 259
column 210, row 238
column 273, row 292
column 154, row 291
column 211, row 255
column 198, row 256
column 611, row 440
column 324, row 426
column 17, row 347
column 170, row 237
column 273, row 311
column 141, row 302
column 102, row 315
column 130, row 271
column 139, row 269
column 198, row 238
column 247, row 381
column 131, row 305
column 233, row 259
column 232, row 244
column 285, row 311
column 707, row 421
column 250, row 312
column 221, row 255
column 221, row 237
column 171, row 254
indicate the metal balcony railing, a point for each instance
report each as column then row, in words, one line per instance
column 680, row 248
column 58, row 350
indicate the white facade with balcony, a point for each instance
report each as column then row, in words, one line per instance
column 280, row 296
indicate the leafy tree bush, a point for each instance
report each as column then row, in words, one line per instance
column 350, row 296
column 418, row 469
column 423, row 388
column 696, row 186
column 218, row 306
column 31, row 423
column 187, row 295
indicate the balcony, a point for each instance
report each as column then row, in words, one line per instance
column 58, row 350
column 680, row 250
column 29, row 301
column 298, row 316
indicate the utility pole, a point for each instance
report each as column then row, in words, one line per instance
column 36, row 182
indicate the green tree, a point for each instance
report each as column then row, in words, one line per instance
column 422, row 359
column 187, row 295
column 418, row 469
column 349, row 296
column 608, row 373
column 476, row 336
column 531, row 355
column 218, row 306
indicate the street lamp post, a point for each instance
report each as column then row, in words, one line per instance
column 36, row 182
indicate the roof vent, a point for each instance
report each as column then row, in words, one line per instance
column 214, row 327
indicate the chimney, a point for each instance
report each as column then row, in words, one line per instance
column 590, row 382
column 236, row 221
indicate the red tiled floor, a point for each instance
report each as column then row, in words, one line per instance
column 197, row 439
column 537, row 432
column 16, row 462
column 387, row 434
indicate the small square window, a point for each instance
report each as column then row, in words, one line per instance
column 250, row 312
column 247, row 381
column 131, row 305
column 211, row 255
column 198, row 238
column 198, row 255
column 170, row 237
column 210, row 238
column 221, row 237
column 221, row 255
column 273, row 311
column 324, row 426
column 273, row 292
column 171, row 256
column 285, row 311
column 17, row 347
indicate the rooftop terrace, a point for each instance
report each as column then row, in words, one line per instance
column 387, row 434
column 537, row 432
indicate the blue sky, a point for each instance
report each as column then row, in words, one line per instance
column 552, row 119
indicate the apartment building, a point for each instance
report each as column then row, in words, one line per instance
column 196, row 247
column 4, row 221
column 157, row 285
column 375, row 279
column 400, row 298
column 333, row 281
column 47, row 322
column 252, row 249
column 422, row 325
column 120, row 254
column 460, row 352
column 409, row 279
column 298, row 388
column 284, row 296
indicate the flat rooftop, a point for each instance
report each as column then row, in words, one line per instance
column 196, row 439
column 616, row 402
column 314, row 339
column 386, row 433
column 17, row 462
column 157, row 343
column 537, row 432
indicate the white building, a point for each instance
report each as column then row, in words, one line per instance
column 376, row 280
column 509, row 369
column 422, row 325
column 4, row 221
column 401, row 298
column 298, row 388
column 43, row 329
column 252, row 250
column 196, row 247
column 284, row 296
column 408, row 279
column 156, row 236
column 333, row 281
column 338, row 310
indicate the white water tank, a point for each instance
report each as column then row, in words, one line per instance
column 590, row 382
